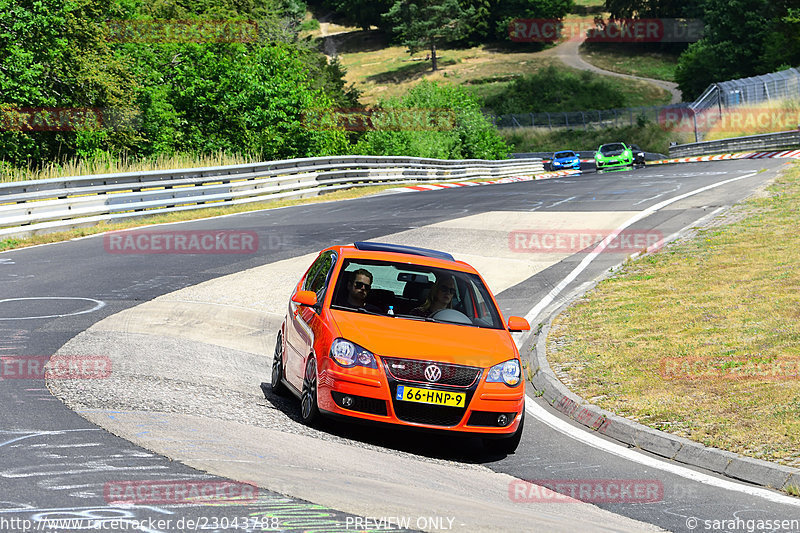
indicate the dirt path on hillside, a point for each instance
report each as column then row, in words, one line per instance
column 569, row 54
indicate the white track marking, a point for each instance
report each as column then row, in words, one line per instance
column 586, row 437
column 97, row 305
column 547, row 300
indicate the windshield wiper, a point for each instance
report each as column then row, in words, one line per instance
column 356, row 309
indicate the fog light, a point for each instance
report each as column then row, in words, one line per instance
column 502, row 420
column 347, row 401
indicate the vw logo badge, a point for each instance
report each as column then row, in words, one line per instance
column 433, row 373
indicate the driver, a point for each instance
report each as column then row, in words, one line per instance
column 440, row 297
column 358, row 286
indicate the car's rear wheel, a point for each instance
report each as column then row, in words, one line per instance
column 309, row 410
column 276, row 385
column 507, row 445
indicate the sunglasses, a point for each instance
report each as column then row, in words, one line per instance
column 361, row 285
column 451, row 290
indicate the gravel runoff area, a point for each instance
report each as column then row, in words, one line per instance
column 205, row 351
column 186, row 372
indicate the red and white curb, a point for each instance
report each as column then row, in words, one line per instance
column 785, row 154
column 511, row 179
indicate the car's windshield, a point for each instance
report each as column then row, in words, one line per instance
column 564, row 154
column 614, row 147
column 415, row 292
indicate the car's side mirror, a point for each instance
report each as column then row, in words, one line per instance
column 308, row 298
column 516, row 323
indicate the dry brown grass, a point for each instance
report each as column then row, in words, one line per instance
column 83, row 167
column 769, row 117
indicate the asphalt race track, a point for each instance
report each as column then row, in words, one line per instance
column 57, row 465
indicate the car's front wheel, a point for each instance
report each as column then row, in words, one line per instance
column 309, row 410
column 507, row 445
column 276, row 385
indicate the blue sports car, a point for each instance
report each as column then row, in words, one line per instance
column 564, row 160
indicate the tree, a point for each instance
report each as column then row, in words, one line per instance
column 735, row 35
column 55, row 58
column 620, row 9
column 505, row 11
column 421, row 24
column 364, row 13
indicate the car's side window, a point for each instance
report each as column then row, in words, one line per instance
column 319, row 274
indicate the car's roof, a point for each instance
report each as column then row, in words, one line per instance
column 402, row 253
column 564, row 152
column 402, row 249
column 609, row 144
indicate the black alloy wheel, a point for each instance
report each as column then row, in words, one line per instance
column 276, row 384
column 309, row 410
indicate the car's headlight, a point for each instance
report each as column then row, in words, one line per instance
column 349, row 354
column 508, row 372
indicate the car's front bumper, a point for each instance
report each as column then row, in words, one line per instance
column 575, row 165
column 612, row 163
column 373, row 400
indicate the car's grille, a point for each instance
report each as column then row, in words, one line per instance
column 434, row 415
column 426, row 413
column 410, row 370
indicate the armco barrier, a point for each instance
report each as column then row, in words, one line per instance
column 784, row 140
column 41, row 206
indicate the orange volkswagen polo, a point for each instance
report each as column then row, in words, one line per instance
column 402, row 335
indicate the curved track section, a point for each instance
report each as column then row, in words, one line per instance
column 187, row 364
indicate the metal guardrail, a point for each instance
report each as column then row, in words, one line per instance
column 40, row 206
column 785, row 140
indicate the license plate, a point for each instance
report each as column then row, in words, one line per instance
column 435, row 397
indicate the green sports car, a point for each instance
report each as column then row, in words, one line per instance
column 613, row 155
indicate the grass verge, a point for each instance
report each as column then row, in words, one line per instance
column 110, row 165
column 691, row 339
column 634, row 59
column 767, row 117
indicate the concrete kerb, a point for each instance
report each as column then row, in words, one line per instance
column 635, row 435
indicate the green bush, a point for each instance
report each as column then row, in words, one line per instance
column 309, row 25
column 443, row 121
column 554, row 89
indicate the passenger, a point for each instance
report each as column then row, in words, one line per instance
column 440, row 297
column 358, row 287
